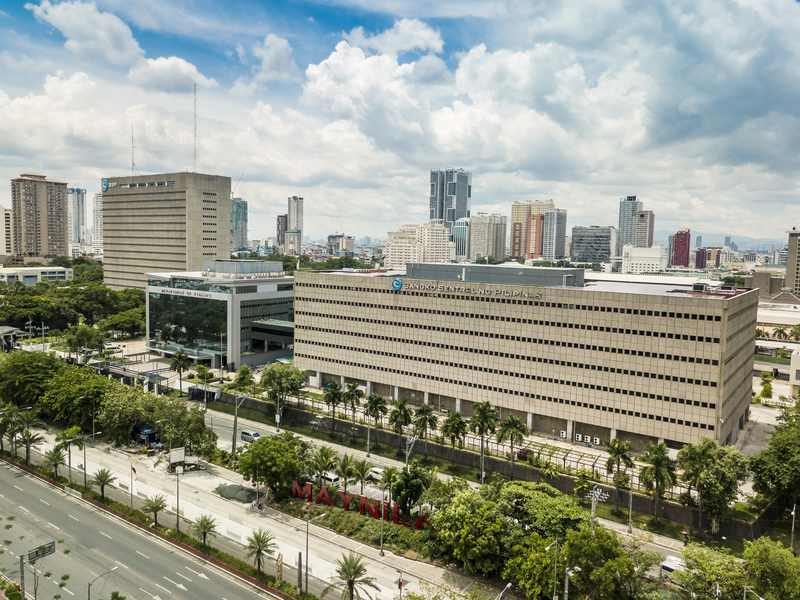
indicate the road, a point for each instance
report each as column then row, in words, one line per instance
column 146, row 568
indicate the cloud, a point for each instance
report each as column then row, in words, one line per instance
column 21, row 63
column 241, row 53
column 405, row 35
column 170, row 75
column 275, row 64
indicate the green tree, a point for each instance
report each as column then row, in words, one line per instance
column 244, row 379
column 604, row 565
column 483, row 422
column 454, row 428
column 323, row 460
column 205, row 526
column 693, row 459
column 706, row 569
column 409, row 487
column 776, row 469
column 155, row 504
column 53, row 459
column 67, row 438
column 122, row 408
column 513, row 431
column 130, row 322
column 26, row 376
column 259, row 545
column 772, row 570
column 27, row 437
column 541, row 508
column 389, row 479
column 362, row 473
column 351, row 397
column 719, row 483
column 779, row 333
column 179, row 363
column 530, row 566
column 376, row 407
column 93, row 301
column 351, row 574
column 659, row 474
column 102, row 478
column 399, row 418
column 74, row 390
column 425, row 420
column 333, row 398
column 345, row 469
column 282, row 382
column 619, row 455
column 278, row 460
column 638, row 584
column 795, row 333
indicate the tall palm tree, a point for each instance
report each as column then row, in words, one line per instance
column 693, row 459
column 345, row 468
column 333, row 398
column 779, row 333
column 67, row 438
column 455, row 428
column 362, row 473
column 424, row 419
column 389, row 479
column 620, row 454
column 760, row 333
column 795, row 333
column 102, row 478
column 205, row 526
column 400, row 417
column 376, row 408
column 483, row 422
column 659, row 474
column 155, row 504
column 323, row 460
column 351, row 573
column 179, row 363
column 9, row 411
column 53, row 459
column 29, row 439
column 260, row 544
column 513, row 431
column 351, row 397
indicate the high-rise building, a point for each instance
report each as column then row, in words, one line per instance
column 451, row 195
column 699, row 241
column 487, row 236
column 428, row 242
column 76, row 216
column 526, row 228
column 629, row 207
column 645, row 224
column 727, row 241
column 681, row 248
column 461, row 233
column 295, row 220
column 283, row 221
column 643, row 260
column 40, row 216
column 97, row 225
column 170, row 222
column 594, row 244
column 294, row 243
column 554, row 233
column 793, row 261
column 238, row 224
column 6, row 233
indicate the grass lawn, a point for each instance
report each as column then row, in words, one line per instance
column 772, row 359
column 744, row 512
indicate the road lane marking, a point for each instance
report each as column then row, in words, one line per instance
column 145, row 555
column 105, row 534
column 202, row 575
column 66, row 590
column 121, row 565
column 56, row 526
column 184, row 576
column 19, row 488
column 43, row 502
column 170, row 580
column 162, row 587
column 74, row 519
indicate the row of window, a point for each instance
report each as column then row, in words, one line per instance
column 575, row 403
column 525, row 301
column 511, row 338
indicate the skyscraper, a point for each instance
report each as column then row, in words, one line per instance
column 792, row 262
column 97, row 225
column 488, row 236
column 554, row 233
column 281, row 230
column 170, row 222
column 594, row 244
column 526, row 237
column 681, row 248
column 728, row 241
column 699, row 241
column 76, row 216
column 6, row 233
column 645, row 223
column 628, row 209
column 40, row 216
column 295, row 220
column 461, row 233
column 451, row 195
column 238, row 224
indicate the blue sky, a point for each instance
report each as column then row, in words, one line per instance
column 691, row 105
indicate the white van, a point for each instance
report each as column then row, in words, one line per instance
column 376, row 473
column 251, row 437
column 672, row 563
column 330, row 479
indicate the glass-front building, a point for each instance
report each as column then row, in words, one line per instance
column 232, row 313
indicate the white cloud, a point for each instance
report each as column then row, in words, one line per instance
column 171, row 75
column 275, row 64
column 22, row 63
column 405, row 35
column 241, row 53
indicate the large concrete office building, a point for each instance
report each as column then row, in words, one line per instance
column 584, row 360
column 793, row 262
column 238, row 224
column 451, row 196
column 170, row 222
column 39, row 216
column 594, row 244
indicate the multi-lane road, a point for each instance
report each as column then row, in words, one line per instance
column 89, row 543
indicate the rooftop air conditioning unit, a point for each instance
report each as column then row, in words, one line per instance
column 578, row 437
column 563, row 434
column 596, row 441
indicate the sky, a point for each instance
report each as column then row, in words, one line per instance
column 691, row 105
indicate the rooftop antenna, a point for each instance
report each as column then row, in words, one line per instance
column 237, row 184
column 194, row 162
column 133, row 162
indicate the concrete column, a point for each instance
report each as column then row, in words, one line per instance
column 660, row 440
column 396, row 393
column 319, row 379
column 458, row 405
column 341, row 381
column 570, row 430
column 613, row 434
column 369, row 388
column 530, row 421
column 426, row 399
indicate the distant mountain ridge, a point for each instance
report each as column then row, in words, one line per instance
column 718, row 239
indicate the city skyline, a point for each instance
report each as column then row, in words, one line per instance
column 520, row 96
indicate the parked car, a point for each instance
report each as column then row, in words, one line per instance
column 330, row 479
column 376, row 473
column 524, row 453
column 248, row 436
column 672, row 563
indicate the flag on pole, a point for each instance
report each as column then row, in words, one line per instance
column 133, row 469
column 400, row 583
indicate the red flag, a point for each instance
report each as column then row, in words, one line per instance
column 134, row 470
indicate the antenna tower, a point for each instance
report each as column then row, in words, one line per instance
column 133, row 147
column 194, row 162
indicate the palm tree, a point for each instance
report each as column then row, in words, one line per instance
column 29, row 439
column 795, row 333
column 351, row 573
column 67, row 438
column 352, row 397
column 204, row 526
column 260, row 544
column 693, row 459
column 362, row 473
column 760, row 333
column 179, row 363
column 424, row 419
column 155, row 504
column 388, row 479
column 7, row 417
column 620, row 454
column 323, row 460
column 659, row 474
column 455, row 428
column 375, row 408
column 333, row 398
column 345, row 468
column 779, row 333
column 513, row 431
column 483, row 422
column 53, row 459
column 102, row 478
column 400, row 417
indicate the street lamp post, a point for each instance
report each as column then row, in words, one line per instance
column 555, row 567
column 383, row 508
column 178, row 471
column 567, row 574
column 400, row 582
column 368, row 428
column 308, row 522
column 409, row 446
column 794, row 513
column 89, row 591
column 505, row 589
column 84, row 455
column 749, row 589
column 235, row 422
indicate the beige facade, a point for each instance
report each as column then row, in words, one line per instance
column 487, row 236
column 167, row 222
column 637, row 362
column 428, row 242
column 792, row 262
column 39, row 216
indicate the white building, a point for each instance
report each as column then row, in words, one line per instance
column 6, row 233
column 461, row 238
column 97, row 225
column 295, row 221
column 643, row 260
column 488, row 236
column 428, row 242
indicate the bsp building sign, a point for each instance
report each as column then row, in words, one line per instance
column 398, row 284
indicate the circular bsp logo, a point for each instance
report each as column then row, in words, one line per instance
column 104, row 184
column 397, row 284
